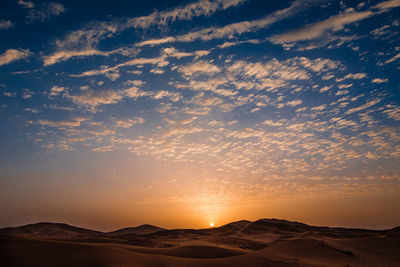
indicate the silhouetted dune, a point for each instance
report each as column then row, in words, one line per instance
column 269, row 225
column 266, row 242
column 138, row 230
column 47, row 230
column 233, row 227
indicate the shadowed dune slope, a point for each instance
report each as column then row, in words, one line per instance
column 50, row 231
column 266, row 242
column 139, row 230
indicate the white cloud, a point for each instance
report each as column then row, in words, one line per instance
column 378, row 80
column 95, row 98
column 319, row 108
column 394, row 58
column 75, row 123
column 272, row 123
column 388, row 5
column 342, row 92
column 6, row 24
column 156, row 41
column 316, row 30
column 129, row 122
column 11, row 55
column 87, row 38
column 229, row 44
column 45, row 11
column 27, row 94
column 365, row 106
column 335, row 23
column 355, row 76
column 294, row 103
column 344, row 86
column 112, row 72
column 56, row 90
column 175, row 97
column 324, row 89
column 157, row 71
column 181, row 122
column 199, row 67
column 65, row 55
column 181, row 131
column 187, row 12
column 26, row 4
column 92, row 99
column 238, row 28
column 135, row 82
column 393, row 112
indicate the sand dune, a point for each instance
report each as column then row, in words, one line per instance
column 266, row 242
column 138, row 230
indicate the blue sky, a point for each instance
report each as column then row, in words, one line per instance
column 198, row 102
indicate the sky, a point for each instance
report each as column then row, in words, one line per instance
column 182, row 113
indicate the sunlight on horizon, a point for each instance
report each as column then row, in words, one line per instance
column 189, row 113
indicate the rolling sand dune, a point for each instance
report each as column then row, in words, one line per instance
column 266, row 242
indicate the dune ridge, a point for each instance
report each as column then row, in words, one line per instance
column 265, row 242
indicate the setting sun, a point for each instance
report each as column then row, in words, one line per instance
column 211, row 224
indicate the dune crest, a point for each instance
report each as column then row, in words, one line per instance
column 265, row 242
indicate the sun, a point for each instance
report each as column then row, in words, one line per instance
column 211, row 224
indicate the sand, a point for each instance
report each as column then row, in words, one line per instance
column 266, row 242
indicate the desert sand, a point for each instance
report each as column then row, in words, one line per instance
column 266, row 242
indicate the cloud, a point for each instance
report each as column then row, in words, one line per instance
column 344, row 86
column 57, row 124
column 87, row 38
column 199, row 67
column 294, row 103
column 65, row 55
column 272, row 123
column 173, row 52
column 56, row 90
column 274, row 73
column 333, row 24
column 129, row 122
column 378, row 80
column 93, row 99
column 156, row 41
column 181, row 131
column 393, row 112
column 318, row 29
column 45, row 11
column 181, row 122
column 135, row 82
column 187, row 12
column 342, row 92
column 239, row 28
column 229, row 44
column 6, row 24
column 27, row 93
column 26, row 4
column 324, row 89
column 157, row 71
column 394, row 58
column 383, row 6
column 175, row 97
column 355, row 76
column 319, row 108
column 112, row 72
column 245, row 133
column 365, row 106
column 11, row 55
